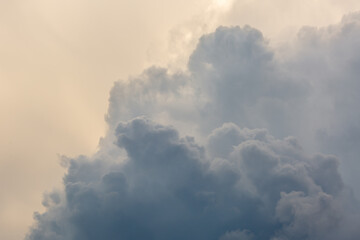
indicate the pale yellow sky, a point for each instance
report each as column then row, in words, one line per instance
column 58, row 60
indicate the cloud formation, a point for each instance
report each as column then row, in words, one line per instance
column 171, row 188
column 236, row 180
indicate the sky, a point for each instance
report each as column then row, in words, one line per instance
column 108, row 93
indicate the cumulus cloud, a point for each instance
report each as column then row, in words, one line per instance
column 236, row 70
column 328, row 59
column 169, row 187
column 205, row 153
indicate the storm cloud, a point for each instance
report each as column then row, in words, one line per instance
column 169, row 187
column 215, row 152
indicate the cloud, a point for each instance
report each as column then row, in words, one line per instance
column 237, row 235
column 170, row 188
column 232, row 68
column 242, row 82
column 243, row 177
column 328, row 60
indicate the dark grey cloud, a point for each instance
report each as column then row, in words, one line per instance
column 171, row 188
column 243, row 177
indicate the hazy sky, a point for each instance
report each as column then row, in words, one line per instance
column 59, row 60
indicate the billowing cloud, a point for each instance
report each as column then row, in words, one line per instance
column 205, row 153
column 328, row 59
column 171, row 188
column 240, row 80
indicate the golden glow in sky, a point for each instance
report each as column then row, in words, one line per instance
column 223, row 3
